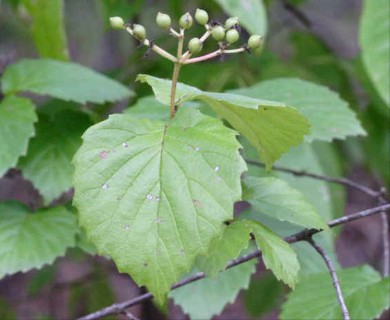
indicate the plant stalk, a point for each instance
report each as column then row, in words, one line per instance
column 175, row 76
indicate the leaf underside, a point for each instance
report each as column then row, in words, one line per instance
column 153, row 195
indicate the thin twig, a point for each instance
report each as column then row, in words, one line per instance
column 300, row 15
column 214, row 54
column 386, row 244
column 300, row 236
column 129, row 315
column 336, row 283
column 344, row 181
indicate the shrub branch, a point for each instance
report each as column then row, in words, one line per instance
column 303, row 235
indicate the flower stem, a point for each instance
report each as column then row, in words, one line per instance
column 155, row 47
column 176, row 72
column 213, row 55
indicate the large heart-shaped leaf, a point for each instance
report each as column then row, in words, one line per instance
column 271, row 127
column 375, row 42
column 17, row 117
column 30, row 240
column 153, row 195
column 63, row 80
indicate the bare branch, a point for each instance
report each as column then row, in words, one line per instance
column 128, row 315
column 333, row 274
column 297, row 13
column 303, row 235
column 343, row 181
column 386, row 244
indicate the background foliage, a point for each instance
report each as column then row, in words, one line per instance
column 335, row 58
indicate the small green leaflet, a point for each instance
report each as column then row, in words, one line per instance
column 62, row 80
column 271, row 127
column 366, row 296
column 232, row 242
column 153, row 195
column 48, row 163
column 329, row 115
column 48, row 27
column 277, row 254
column 207, row 297
column 375, row 42
column 274, row 197
column 30, row 240
column 251, row 13
column 17, row 118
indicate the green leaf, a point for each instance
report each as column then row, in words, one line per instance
column 328, row 115
column 159, row 191
column 207, row 297
column 277, row 254
column 31, row 240
column 63, row 80
column 17, row 117
column 262, row 295
column 274, row 197
column 366, row 296
column 270, row 126
column 251, row 13
column 375, row 42
column 48, row 28
column 148, row 108
column 320, row 194
column 48, row 163
column 224, row 248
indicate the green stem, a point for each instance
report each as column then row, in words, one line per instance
column 176, row 72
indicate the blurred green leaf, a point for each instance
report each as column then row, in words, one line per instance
column 63, row 80
column 40, row 279
column 31, row 240
column 48, row 28
column 263, row 295
column 276, row 198
column 366, row 296
column 17, row 117
column 222, row 249
column 272, row 127
column 328, row 115
column 48, row 163
column 251, row 13
column 375, row 42
column 207, row 297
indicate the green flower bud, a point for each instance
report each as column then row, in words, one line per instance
column 232, row 36
column 218, row 33
column 195, row 45
column 201, row 17
column 255, row 41
column 139, row 32
column 185, row 21
column 117, row 22
column 163, row 20
column 231, row 22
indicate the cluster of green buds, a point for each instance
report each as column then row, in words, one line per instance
column 226, row 34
